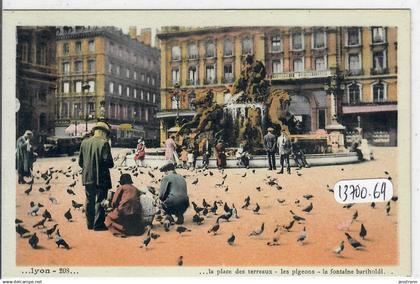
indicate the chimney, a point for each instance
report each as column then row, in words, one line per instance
column 146, row 36
column 132, row 32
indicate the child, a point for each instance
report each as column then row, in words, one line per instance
column 184, row 157
column 190, row 159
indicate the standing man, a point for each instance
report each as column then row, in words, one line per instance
column 95, row 159
column 170, row 150
column 220, row 154
column 25, row 156
column 270, row 148
column 284, row 145
column 173, row 193
column 206, row 153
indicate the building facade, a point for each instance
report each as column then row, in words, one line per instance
column 320, row 66
column 36, row 76
column 103, row 72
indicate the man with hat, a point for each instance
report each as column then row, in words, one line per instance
column 95, row 159
column 173, row 193
column 270, row 148
column 126, row 218
column 285, row 147
column 25, row 156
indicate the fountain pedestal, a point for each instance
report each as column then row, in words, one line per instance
column 336, row 136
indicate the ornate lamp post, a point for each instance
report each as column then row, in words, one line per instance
column 75, row 120
column 85, row 89
column 176, row 96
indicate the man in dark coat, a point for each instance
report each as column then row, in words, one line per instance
column 95, row 159
column 126, row 218
column 220, row 154
column 298, row 155
column 206, row 153
column 270, row 148
column 24, row 156
column 173, row 193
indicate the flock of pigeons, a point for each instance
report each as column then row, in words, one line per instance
column 218, row 210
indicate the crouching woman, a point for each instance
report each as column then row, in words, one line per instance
column 126, row 218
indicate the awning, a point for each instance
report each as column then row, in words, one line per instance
column 125, row 126
column 81, row 129
column 369, row 108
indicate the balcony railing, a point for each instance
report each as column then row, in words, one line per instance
column 302, row 75
column 210, row 81
column 228, row 79
column 379, row 71
column 192, row 82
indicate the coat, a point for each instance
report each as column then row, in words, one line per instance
column 24, row 157
column 270, row 143
column 173, row 191
column 126, row 217
column 220, row 154
column 170, row 150
column 284, row 145
column 140, row 153
column 95, row 159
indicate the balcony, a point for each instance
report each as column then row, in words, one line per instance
column 172, row 113
column 302, row 75
column 355, row 72
column 192, row 82
column 379, row 71
column 210, row 81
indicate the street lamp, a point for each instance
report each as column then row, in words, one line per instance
column 75, row 120
column 177, row 98
column 85, row 89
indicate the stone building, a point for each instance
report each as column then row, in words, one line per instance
column 36, row 76
column 320, row 66
column 104, row 72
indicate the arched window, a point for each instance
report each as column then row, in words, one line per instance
column 228, row 48
column 354, row 94
column 210, row 49
column 247, row 46
column 192, row 51
column 379, row 92
column 176, row 53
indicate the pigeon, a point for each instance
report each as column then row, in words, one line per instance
column 41, row 189
column 258, row 231
column 21, row 230
column 394, row 198
column 226, row 216
column 167, row 225
column 71, row 192
column 355, row 215
column 362, row 232
column 205, row 204
column 34, row 208
column 297, row 202
column 308, row 208
column 214, row 208
column 60, row 241
column 388, row 208
column 73, row 159
column 244, row 175
column 373, row 205
column 150, row 174
column 197, row 219
column 47, row 188
column 40, row 223
column 234, row 211
column 146, row 241
column 50, row 231
column 214, row 228
column 224, row 177
column 348, row 206
column 355, row 244
column 68, row 215
column 205, row 211
column 231, row 239
column 47, row 215
column 182, row 229
column 53, row 200
column 256, row 209
column 76, row 205
column 274, row 241
column 246, row 205
column 253, row 171
column 196, row 208
column 308, row 196
column 33, row 241
column 180, row 260
column 302, row 236
column 258, row 188
column 226, row 207
column 195, row 181
column 18, row 221
column 296, row 217
column 289, row 226
column 29, row 190
column 281, row 201
column 226, row 188
column 73, row 184
column 211, row 173
column 338, row 250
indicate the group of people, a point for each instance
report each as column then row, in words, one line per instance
column 284, row 147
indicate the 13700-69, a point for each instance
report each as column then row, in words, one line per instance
column 363, row 190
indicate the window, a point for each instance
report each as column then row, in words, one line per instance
column 354, row 94
column 277, row 67
column 210, row 74
column 135, row 93
column 118, row 70
column 276, row 44
column 91, row 46
column 141, row 95
column 154, row 98
column 78, row 47
column 111, row 87
column 135, row 75
column 78, row 66
column 41, row 55
column 175, row 76
column 247, row 46
column 378, row 35
column 353, row 36
column 91, row 86
column 120, row 89
column 146, row 112
column 228, row 73
column 298, row 65
column 174, row 102
column 321, row 119
column 148, row 80
column 379, row 61
column 228, row 48
column 91, row 66
column 319, row 39
column 110, row 68
column 78, row 86
column 148, row 96
column 66, row 68
column 192, row 51
column 210, row 49
column 354, row 62
column 153, row 81
column 127, row 73
column 128, row 91
column 379, row 92
column 192, row 75
column 297, row 41
column 65, row 111
column 176, row 53
column 65, row 48
column 66, row 87
column 24, row 52
column 320, row 63
column 142, row 77
column 90, row 108
column 77, row 110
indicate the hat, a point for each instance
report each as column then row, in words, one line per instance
column 28, row 132
column 270, row 129
column 103, row 126
column 169, row 166
column 125, row 179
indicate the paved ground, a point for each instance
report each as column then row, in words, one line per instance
column 200, row 248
